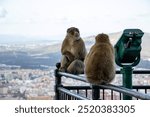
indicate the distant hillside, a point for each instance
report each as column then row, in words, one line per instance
column 145, row 53
column 18, row 39
column 36, row 54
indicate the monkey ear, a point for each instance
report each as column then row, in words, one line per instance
column 68, row 30
column 77, row 30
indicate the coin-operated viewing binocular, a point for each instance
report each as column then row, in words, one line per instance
column 127, row 55
column 128, row 47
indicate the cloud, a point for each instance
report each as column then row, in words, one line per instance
column 3, row 12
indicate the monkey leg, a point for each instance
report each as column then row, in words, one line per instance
column 76, row 67
column 64, row 64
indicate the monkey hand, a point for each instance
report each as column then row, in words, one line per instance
column 69, row 56
column 62, row 69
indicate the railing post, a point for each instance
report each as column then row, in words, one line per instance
column 57, row 84
column 95, row 92
column 127, row 80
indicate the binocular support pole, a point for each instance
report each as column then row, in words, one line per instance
column 127, row 79
column 127, row 55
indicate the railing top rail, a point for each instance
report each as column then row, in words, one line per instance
column 81, row 78
column 126, row 91
column 76, row 77
column 136, row 72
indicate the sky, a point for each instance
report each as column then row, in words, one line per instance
column 51, row 18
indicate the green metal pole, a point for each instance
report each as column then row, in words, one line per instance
column 127, row 80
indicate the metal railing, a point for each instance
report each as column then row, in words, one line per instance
column 97, row 92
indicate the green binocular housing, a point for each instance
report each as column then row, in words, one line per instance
column 128, row 47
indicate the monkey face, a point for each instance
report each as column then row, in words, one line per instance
column 74, row 33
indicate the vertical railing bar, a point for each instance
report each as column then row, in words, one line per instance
column 111, row 94
column 86, row 93
column 99, row 93
column 77, row 91
column 120, row 96
column 137, row 91
column 63, row 95
column 145, row 91
column 60, row 95
column 69, row 97
column 57, row 84
column 103, row 94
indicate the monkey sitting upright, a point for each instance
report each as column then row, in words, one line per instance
column 73, row 52
column 99, row 62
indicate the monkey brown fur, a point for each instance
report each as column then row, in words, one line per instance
column 99, row 63
column 76, row 67
column 73, row 52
